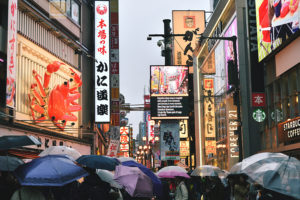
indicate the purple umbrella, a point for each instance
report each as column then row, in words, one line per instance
column 172, row 172
column 135, row 182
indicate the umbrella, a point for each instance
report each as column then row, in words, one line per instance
column 274, row 171
column 108, row 177
column 172, row 172
column 124, row 159
column 11, row 141
column 51, row 170
column 9, row 163
column 98, row 162
column 61, row 150
column 207, row 170
column 135, row 182
column 157, row 185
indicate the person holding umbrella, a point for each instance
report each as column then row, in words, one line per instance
column 93, row 187
column 181, row 192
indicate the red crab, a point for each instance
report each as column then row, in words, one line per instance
column 55, row 104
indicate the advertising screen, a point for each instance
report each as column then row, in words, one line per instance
column 169, row 140
column 276, row 21
column 169, row 81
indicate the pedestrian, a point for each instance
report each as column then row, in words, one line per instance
column 28, row 193
column 241, row 188
column 165, row 190
column 215, row 189
column 181, row 192
column 93, row 188
column 8, row 185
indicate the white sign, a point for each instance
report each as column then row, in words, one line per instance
column 11, row 53
column 102, row 64
column 113, row 148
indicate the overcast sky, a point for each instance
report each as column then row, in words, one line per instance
column 138, row 19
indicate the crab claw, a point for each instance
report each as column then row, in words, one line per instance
column 53, row 67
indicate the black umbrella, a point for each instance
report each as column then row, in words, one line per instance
column 9, row 163
column 12, row 141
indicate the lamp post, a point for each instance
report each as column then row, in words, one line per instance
column 236, row 88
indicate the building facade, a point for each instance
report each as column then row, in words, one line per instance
column 49, row 34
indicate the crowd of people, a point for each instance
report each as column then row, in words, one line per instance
column 233, row 187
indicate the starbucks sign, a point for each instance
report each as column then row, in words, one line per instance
column 259, row 115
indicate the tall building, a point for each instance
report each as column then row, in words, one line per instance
column 223, row 85
column 47, row 42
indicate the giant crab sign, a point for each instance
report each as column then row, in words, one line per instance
column 55, row 104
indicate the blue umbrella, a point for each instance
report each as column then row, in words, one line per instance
column 157, row 186
column 11, row 141
column 98, row 162
column 51, row 170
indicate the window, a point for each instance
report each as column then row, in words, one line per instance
column 70, row 8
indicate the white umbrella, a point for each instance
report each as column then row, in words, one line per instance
column 61, row 150
column 108, row 177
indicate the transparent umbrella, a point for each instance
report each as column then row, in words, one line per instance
column 274, row 171
column 61, row 150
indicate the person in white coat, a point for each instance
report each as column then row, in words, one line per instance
column 181, row 192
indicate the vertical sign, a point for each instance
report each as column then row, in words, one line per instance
column 232, row 126
column 11, row 53
column 124, row 139
column 190, row 23
column 102, row 63
column 209, row 117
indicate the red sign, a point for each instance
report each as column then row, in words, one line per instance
column 124, row 130
column 258, row 99
column 114, row 68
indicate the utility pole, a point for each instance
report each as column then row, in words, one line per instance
column 167, row 52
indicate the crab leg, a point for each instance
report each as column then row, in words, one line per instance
column 37, row 108
column 37, row 95
column 39, row 84
column 53, row 67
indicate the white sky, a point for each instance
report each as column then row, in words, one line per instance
column 138, row 19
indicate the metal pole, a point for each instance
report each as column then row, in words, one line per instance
column 167, row 41
column 237, row 96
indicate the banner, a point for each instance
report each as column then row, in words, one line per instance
column 169, row 140
column 11, row 53
column 102, row 63
column 209, row 117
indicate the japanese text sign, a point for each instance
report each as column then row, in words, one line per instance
column 102, row 63
column 258, row 99
column 11, row 53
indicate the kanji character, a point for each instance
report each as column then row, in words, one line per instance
column 102, row 109
column 102, row 95
column 101, row 24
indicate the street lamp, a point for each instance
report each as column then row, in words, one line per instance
column 236, row 89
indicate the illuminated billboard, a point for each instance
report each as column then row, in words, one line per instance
column 169, row 80
column 102, row 61
column 169, row 92
column 276, row 21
